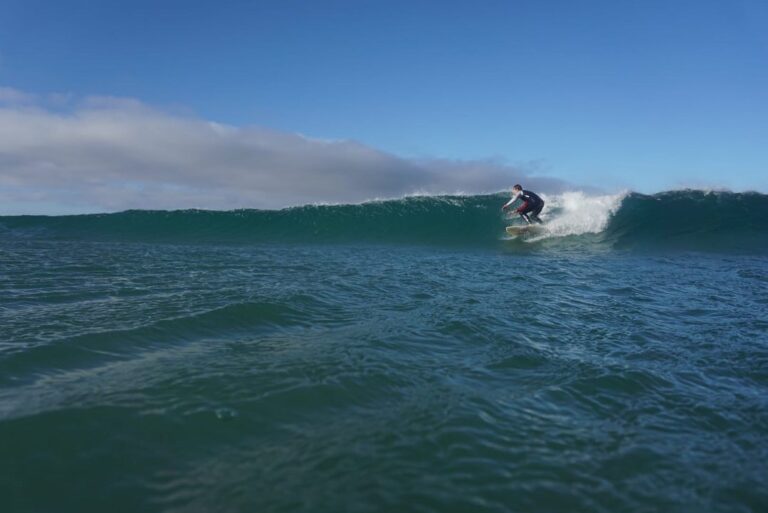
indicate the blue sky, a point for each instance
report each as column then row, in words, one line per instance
column 644, row 95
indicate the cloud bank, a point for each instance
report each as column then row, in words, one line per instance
column 59, row 154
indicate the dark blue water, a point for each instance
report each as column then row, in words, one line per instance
column 160, row 364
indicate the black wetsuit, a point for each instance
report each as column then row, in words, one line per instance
column 532, row 204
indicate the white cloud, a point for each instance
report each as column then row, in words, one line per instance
column 114, row 153
column 14, row 96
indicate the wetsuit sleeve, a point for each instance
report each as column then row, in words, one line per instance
column 508, row 203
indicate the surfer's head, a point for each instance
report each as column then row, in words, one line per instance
column 517, row 189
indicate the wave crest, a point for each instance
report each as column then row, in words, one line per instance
column 576, row 213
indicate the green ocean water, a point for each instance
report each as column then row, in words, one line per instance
column 391, row 356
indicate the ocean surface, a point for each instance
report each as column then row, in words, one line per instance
column 394, row 356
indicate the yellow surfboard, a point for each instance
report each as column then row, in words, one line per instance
column 521, row 229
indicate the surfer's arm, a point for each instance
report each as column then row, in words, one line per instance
column 508, row 203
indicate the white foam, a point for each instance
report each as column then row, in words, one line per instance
column 576, row 213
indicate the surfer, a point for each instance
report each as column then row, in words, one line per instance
column 531, row 207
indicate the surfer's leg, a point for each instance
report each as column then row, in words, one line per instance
column 525, row 214
column 536, row 212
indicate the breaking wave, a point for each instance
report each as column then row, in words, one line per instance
column 686, row 219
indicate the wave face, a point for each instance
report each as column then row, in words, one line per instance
column 677, row 219
column 691, row 220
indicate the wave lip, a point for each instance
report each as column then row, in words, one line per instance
column 685, row 219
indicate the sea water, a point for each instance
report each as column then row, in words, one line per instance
column 393, row 356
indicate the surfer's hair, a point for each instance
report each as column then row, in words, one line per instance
column 518, row 187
